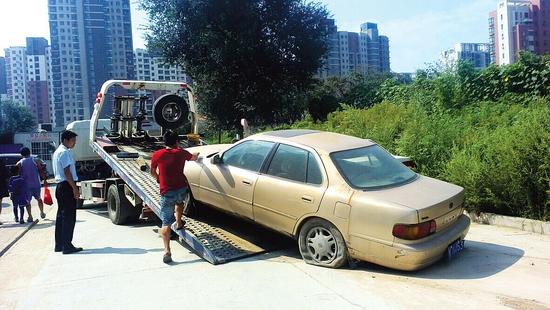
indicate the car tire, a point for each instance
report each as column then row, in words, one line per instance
column 190, row 206
column 321, row 244
column 170, row 111
column 119, row 208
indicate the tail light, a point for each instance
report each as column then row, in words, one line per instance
column 414, row 231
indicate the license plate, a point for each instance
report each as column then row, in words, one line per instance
column 455, row 248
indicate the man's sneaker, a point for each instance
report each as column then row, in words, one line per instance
column 42, row 215
column 16, row 219
column 167, row 258
column 22, row 221
column 30, row 219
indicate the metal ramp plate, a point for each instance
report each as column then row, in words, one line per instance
column 211, row 242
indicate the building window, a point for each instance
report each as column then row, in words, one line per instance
column 41, row 149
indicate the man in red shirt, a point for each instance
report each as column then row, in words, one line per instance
column 174, row 189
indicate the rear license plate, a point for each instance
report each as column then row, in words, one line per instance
column 455, row 248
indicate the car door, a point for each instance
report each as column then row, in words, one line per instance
column 293, row 185
column 229, row 184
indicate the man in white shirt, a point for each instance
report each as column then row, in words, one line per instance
column 66, row 193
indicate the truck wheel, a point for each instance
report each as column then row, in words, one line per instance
column 170, row 111
column 322, row 244
column 119, row 207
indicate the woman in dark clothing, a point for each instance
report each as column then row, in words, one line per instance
column 3, row 183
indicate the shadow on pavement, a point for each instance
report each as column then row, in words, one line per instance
column 124, row 251
column 478, row 260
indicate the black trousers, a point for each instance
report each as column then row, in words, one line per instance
column 66, row 216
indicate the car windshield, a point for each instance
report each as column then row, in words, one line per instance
column 371, row 167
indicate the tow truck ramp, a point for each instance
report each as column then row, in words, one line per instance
column 213, row 243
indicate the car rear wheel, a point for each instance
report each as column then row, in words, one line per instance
column 322, row 244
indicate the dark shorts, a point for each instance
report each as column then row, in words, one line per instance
column 33, row 192
column 167, row 203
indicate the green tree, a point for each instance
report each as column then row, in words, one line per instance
column 15, row 118
column 248, row 58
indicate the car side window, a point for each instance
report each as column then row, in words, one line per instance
column 295, row 164
column 313, row 171
column 248, row 155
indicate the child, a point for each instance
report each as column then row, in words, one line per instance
column 18, row 194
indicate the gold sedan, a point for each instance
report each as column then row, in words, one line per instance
column 341, row 197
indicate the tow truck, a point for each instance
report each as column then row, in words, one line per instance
column 132, row 192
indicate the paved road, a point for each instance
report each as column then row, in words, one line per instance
column 121, row 268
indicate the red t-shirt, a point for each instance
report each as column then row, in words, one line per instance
column 170, row 163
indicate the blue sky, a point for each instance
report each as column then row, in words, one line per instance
column 418, row 29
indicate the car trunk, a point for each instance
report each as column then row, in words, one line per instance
column 432, row 199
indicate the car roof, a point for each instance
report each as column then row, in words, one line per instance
column 323, row 141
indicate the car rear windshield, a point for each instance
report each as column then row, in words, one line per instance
column 371, row 167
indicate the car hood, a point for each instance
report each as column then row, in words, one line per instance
column 432, row 198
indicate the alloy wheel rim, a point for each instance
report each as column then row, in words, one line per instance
column 321, row 245
column 171, row 112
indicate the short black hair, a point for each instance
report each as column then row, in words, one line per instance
column 25, row 151
column 170, row 138
column 14, row 170
column 67, row 135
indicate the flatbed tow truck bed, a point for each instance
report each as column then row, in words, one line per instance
column 212, row 242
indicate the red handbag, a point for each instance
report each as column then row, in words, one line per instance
column 47, row 194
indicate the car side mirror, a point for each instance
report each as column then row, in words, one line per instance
column 216, row 159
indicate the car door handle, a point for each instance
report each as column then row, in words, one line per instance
column 307, row 199
column 247, row 182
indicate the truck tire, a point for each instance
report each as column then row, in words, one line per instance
column 321, row 244
column 170, row 111
column 120, row 209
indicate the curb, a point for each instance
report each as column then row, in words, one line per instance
column 7, row 247
column 524, row 224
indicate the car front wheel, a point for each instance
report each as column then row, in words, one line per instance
column 322, row 244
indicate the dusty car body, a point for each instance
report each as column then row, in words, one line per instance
column 341, row 197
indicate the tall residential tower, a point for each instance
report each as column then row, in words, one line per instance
column 91, row 42
column 519, row 25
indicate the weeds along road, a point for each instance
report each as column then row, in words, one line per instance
column 121, row 268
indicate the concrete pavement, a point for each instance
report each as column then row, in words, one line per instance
column 121, row 267
column 10, row 231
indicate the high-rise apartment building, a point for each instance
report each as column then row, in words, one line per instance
column 37, row 84
column 3, row 78
column 91, row 42
column 519, row 25
column 27, row 79
column 331, row 66
column 16, row 74
column 540, row 9
column 150, row 66
column 362, row 52
column 478, row 54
